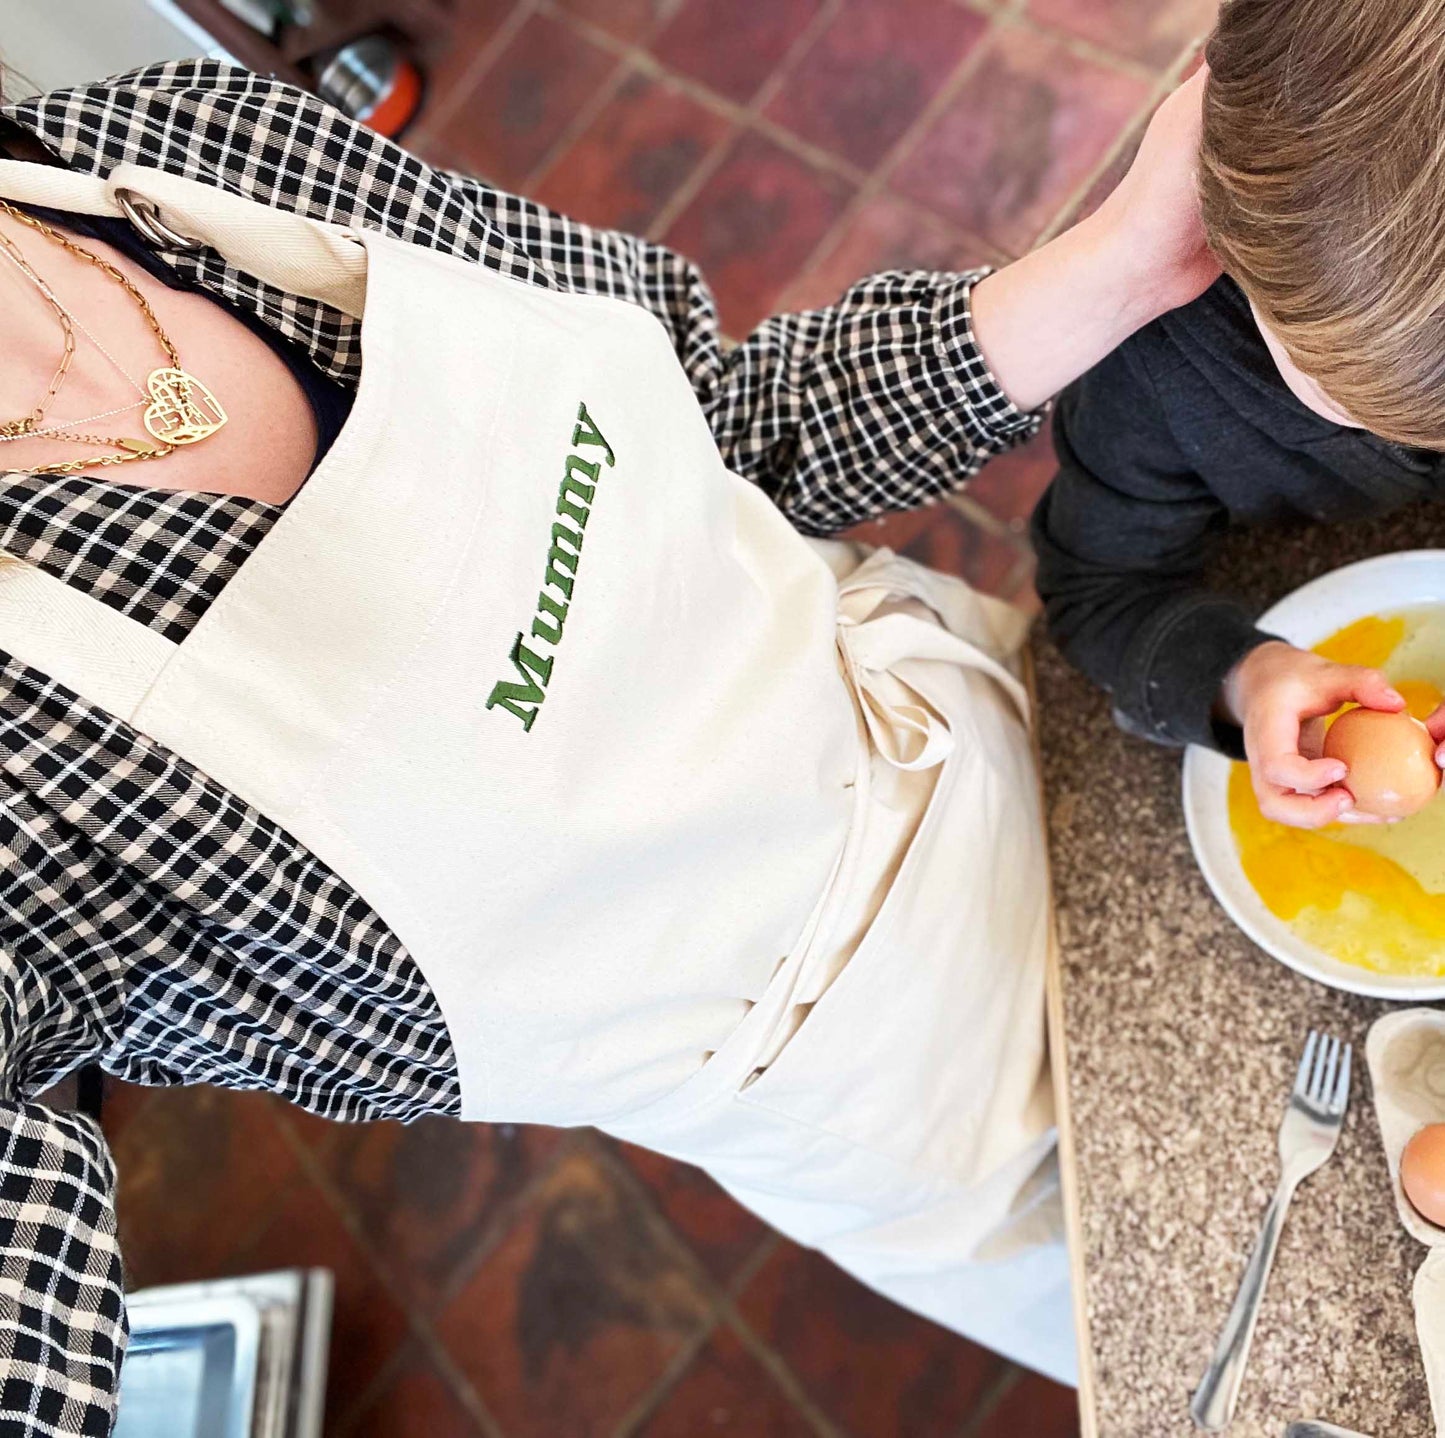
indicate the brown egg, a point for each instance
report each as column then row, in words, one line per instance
column 1391, row 759
column 1422, row 1172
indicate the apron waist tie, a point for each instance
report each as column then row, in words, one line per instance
column 905, row 729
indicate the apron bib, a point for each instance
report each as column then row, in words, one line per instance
column 723, row 840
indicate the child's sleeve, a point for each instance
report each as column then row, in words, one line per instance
column 1122, row 536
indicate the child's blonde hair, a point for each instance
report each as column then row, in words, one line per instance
column 1322, row 174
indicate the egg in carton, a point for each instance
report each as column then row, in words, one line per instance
column 1406, row 1057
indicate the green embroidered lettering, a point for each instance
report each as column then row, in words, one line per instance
column 536, row 672
column 577, row 512
column 552, row 633
column 588, row 433
column 574, row 497
column 557, row 557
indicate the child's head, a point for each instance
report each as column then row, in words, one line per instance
column 1322, row 173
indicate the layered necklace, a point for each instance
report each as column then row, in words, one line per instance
column 180, row 410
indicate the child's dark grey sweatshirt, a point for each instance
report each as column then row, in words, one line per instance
column 1187, row 429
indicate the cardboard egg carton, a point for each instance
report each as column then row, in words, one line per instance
column 1406, row 1057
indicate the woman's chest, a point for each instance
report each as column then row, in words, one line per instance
column 95, row 341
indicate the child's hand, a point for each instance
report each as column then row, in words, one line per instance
column 1281, row 695
column 1436, row 725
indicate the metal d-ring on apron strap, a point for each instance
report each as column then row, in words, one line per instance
column 146, row 220
column 291, row 252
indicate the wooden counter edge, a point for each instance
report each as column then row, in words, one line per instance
column 1059, row 1070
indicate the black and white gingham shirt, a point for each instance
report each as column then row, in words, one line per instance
column 151, row 921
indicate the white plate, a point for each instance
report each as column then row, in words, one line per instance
column 1324, row 606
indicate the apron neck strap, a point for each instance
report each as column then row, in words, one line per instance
column 106, row 657
column 290, row 252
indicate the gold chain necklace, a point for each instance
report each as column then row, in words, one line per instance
column 30, row 427
column 18, row 428
column 181, row 409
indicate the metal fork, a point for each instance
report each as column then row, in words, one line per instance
column 1311, row 1128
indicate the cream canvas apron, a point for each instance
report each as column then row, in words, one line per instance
column 724, row 841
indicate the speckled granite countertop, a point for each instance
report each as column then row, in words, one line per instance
column 1182, row 1039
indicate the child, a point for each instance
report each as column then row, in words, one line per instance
column 1307, row 383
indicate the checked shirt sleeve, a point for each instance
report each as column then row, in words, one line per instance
column 62, row 1319
column 879, row 402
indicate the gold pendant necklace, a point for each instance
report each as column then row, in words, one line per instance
column 181, row 409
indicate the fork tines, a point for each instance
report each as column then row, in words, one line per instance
column 1323, row 1080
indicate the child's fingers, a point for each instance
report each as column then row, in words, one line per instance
column 1436, row 725
column 1291, row 788
column 1365, row 686
column 1303, row 776
column 1303, row 811
column 1294, row 784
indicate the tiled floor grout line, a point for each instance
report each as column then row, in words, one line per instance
column 638, row 59
column 795, row 145
column 749, row 117
column 435, row 118
column 877, row 180
column 635, row 59
column 722, row 1298
column 331, row 1194
column 726, row 1314
column 782, row 1374
column 762, row 1352
column 1086, row 49
column 356, row 1410
column 460, row 1385
column 743, row 117
column 753, row 1264
column 644, row 1201
column 946, row 231
column 1166, row 83
column 637, row 47
column 1008, row 17
column 580, row 123
column 466, row 1267
column 668, row 1379
column 993, row 1396
column 421, row 1324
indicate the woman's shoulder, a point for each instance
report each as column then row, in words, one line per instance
column 170, row 92
column 260, row 138
column 211, row 120
column 282, row 147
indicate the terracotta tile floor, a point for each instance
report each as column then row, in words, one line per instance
column 519, row 1282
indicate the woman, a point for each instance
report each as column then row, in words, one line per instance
column 484, row 740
